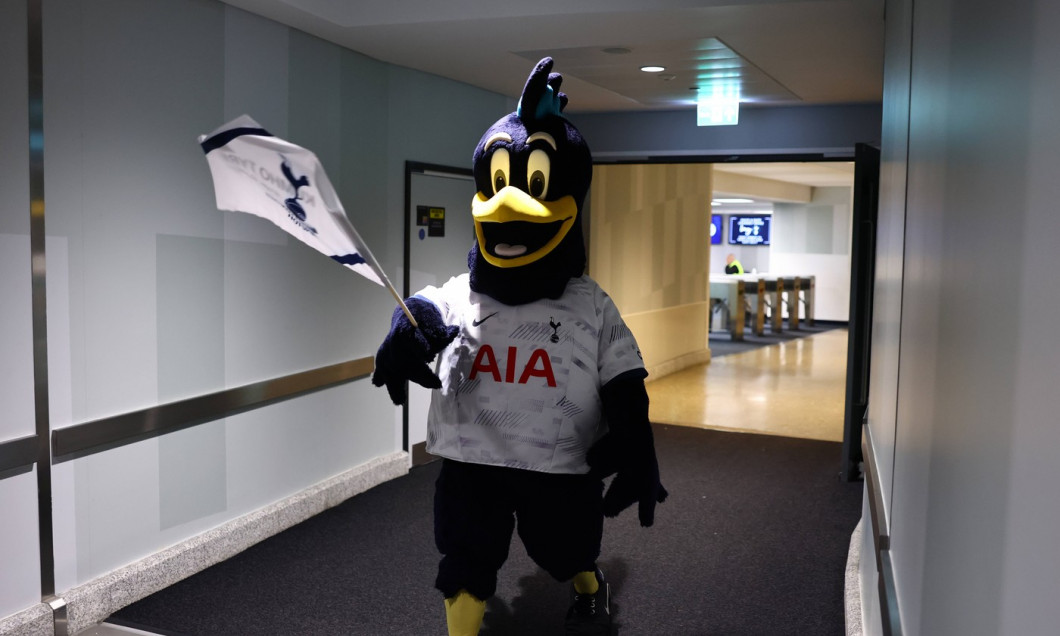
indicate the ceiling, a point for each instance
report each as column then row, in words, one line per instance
column 781, row 52
column 817, row 174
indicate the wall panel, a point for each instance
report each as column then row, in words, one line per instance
column 16, row 328
column 650, row 250
column 890, row 244
column 20, row 580
column 968, row 119
column 155, row 295
column 1031, row 573
column 974, row 401
column 814, row 239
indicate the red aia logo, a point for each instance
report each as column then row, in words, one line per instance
column 537, row 366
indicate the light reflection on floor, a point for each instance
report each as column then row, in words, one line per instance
column 109, row 629
column 795, row 389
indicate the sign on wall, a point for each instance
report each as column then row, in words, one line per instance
column 749, row 229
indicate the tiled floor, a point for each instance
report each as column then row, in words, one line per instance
column 795, row 389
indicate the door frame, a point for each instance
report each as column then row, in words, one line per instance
column 862, row 279
column 862, row 286
column 413, row 168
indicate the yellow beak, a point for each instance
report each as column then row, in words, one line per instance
column 513, row 204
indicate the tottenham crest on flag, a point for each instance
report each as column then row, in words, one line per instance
column 260, row 174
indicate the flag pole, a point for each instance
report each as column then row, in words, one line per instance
column 404, row 307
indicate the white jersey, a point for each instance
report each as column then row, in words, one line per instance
column 521, row 383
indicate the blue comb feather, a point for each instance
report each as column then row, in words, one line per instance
column 541, row 94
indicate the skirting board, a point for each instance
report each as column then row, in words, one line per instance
column 94, row 601
column 35, row 621
column 676, row 364
column 852, row 585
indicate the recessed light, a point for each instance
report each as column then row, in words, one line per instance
column 653, row 69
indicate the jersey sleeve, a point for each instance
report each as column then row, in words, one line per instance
column 618, row 350
column 442, row 297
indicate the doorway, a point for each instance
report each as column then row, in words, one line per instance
column 821, row 235
column 438, row 234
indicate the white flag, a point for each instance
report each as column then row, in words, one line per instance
column 264, row 175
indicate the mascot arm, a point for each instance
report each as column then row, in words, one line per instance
column 407, row 351
column 628, row 449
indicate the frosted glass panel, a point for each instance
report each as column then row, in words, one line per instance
column 191, row 466
column 14, row 120
column 249, row 461
column 158, row 296
column 16, row 338
column 19, row 545
column 16, row 333
column 19, row 554
column 126, row 168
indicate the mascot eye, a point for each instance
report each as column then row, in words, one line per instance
column 499, row 168
column 538, row 168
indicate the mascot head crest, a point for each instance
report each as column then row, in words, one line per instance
column 532, row 171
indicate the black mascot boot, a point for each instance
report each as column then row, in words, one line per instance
column 590, row 614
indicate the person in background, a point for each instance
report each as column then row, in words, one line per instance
column 733, row 266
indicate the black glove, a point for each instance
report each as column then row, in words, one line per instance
column 629, row 450
column 406, row 351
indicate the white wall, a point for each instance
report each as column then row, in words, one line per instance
column 20, row 583
column 636, row 136
column 814, row 239
column 890, row 246
column 973, row 393
column 154, row 295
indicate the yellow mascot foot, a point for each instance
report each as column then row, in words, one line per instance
column 463, row 614
column 586, row 583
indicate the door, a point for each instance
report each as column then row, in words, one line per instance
column 438, row 234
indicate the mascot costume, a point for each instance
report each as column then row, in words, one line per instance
column 539, row 393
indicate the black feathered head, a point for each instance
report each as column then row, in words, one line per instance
column 532, row 171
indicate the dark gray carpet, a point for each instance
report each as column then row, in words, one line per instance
column 753, row 540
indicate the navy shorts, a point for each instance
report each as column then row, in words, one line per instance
column 476, row 508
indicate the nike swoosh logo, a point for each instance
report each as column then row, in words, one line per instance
column 475, row 323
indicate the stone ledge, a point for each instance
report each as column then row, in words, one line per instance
column 92, row 602
column 35, row 621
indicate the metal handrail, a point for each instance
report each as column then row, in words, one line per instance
column 17, row 455
column 118, row 430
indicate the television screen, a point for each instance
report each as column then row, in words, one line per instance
column 715, row 229
column 749, row 229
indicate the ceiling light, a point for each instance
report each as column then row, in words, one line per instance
column 653, row 69
column 717, row 201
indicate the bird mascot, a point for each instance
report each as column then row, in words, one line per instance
column 538, row 393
